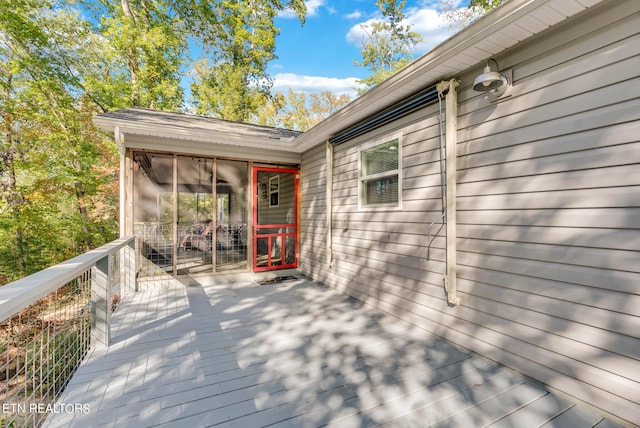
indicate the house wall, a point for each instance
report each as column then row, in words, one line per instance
column 284, row 211
column 548, row 220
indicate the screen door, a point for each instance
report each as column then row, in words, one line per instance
column 275, row 218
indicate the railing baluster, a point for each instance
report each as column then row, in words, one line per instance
column 48, row 321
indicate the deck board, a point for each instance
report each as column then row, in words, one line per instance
column 234, row 353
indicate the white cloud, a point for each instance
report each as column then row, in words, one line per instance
column 310, row 84
column 356, row 14
column 313, row 6
column 432, row 25
column 427, row 21
column 357, row 33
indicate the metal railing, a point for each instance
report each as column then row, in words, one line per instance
column 48, row 322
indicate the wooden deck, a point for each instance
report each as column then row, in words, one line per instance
column 228, row 351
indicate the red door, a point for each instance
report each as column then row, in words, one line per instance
column 275, row 219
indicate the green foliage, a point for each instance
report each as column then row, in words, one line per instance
column 232, row 83
column 222, row 91
column 50, row 186
column 144, row 53
column 63, row 61
column 147, row 41
column 461, row 17
column 55, row 361
column 486, row 5
column 388, row 45
column 299, row 111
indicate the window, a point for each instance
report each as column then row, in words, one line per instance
column 380, row 174
column 274, row 191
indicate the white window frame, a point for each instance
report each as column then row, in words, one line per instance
column 274, row 190
column 361, row 179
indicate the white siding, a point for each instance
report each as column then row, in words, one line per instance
column 548, row 216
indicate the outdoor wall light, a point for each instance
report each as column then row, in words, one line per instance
column 491, row 81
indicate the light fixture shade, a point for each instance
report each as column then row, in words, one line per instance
column 491, row 81
column 488, row 81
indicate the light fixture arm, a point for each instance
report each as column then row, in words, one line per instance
column 488, row 67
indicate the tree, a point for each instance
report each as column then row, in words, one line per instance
column 233, row 82
column 149, row 40
column 223, row 91
column 144, row 53
column 324, row 104
column 486, row 5
column 58, row 181
column 299, row 111
column 388, row 44
column 49, row 186
column 461, row 17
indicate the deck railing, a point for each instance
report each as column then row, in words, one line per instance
column 48, row 322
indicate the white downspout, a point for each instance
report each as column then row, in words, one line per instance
column 451, row 138
column 329, row 203
column 121, row 148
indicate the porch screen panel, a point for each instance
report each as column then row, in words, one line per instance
column 232, row 180
column 194, row 215
column 153, row 211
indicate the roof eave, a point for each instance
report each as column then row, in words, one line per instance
column 126, row 128
column 465, row 49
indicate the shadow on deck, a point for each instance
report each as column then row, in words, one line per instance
column 227, row 351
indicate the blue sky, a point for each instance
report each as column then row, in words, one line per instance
column 319, row 55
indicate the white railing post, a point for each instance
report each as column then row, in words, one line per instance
column 101, row 303
column 128, row 280
column 131, row 265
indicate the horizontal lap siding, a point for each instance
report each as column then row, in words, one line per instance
column 390, row 247
column 386, row 245
column 549, row 214
column 384, row 234
column 384, row 257
column 313, row 210
column 548, row 220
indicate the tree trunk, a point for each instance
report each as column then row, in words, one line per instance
column 132, row 56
